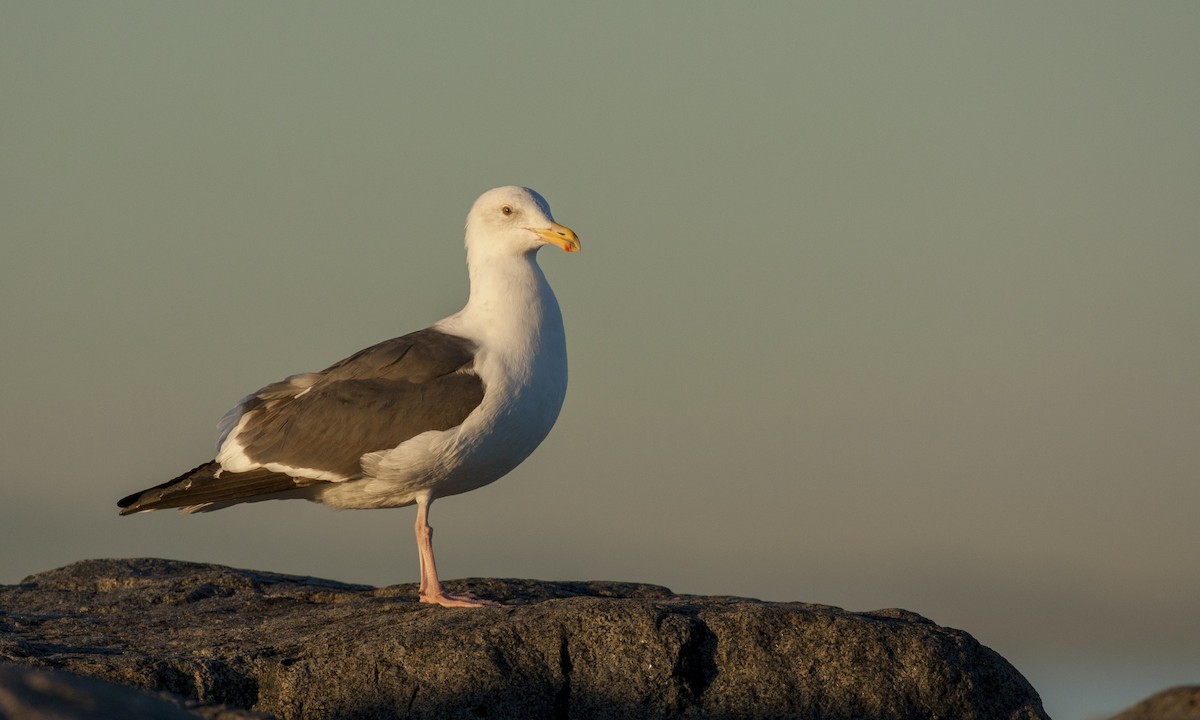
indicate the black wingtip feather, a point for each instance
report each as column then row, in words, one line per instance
column 130, row 503
column 204, row 485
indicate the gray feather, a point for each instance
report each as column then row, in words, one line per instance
column 373, row 400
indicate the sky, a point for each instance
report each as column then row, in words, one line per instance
column 879, row 304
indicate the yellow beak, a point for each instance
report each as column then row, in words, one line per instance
column 560, row 235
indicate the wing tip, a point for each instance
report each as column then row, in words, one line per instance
column 129, row 503
column 143, row 500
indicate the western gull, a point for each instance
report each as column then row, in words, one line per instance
column 437, row 412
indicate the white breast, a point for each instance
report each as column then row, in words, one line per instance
column 523, row 362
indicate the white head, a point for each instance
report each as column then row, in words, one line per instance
column 514, row 221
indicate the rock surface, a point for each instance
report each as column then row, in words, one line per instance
column 297, row 647
column 1178, row 703
column 30, row 694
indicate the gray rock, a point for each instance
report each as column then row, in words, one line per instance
column 1178, row 703
column 39, row 695
column 299, row 647
column 30, row 694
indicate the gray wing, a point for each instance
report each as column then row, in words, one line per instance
column 373, row 400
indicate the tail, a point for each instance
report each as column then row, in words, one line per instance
column 207, row 487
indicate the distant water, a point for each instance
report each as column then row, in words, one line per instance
column 1086, row 687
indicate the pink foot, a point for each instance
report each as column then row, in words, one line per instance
column 446, row 599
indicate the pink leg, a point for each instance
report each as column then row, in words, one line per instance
column 431, row 590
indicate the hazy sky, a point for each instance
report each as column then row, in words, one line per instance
column 880, row 304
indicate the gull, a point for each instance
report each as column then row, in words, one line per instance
column 436, row 412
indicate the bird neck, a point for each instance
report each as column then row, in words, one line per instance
column 510, row 295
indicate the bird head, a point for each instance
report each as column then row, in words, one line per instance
column 515, row 220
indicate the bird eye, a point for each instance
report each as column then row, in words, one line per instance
column 507, row 210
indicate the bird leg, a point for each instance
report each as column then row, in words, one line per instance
column 431, row 590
